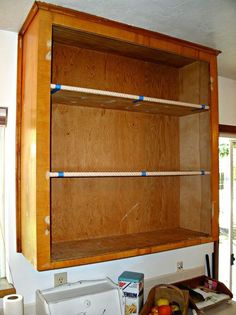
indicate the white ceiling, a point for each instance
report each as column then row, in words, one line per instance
column 208, row 22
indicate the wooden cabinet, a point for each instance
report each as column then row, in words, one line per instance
column 117, row 140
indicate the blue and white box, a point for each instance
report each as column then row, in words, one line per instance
column 132, row 285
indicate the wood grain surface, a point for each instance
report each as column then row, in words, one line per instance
column 138, row 242
column 94, row 220
column 103, row 140
column 28, row 129
column 100, row 70
column 92, row 139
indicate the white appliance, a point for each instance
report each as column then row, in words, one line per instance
column 92, row 297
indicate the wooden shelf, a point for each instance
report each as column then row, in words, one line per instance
column 113, row 100
column 133, row 244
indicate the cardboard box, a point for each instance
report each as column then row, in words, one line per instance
column 132, row 285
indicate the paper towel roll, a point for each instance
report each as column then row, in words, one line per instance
column 13, row 305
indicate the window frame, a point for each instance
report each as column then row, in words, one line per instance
column 3, row 124
column 5, row 287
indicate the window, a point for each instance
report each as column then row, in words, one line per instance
column 3, row 121
column 5, row 286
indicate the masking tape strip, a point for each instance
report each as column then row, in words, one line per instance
column 56, row 88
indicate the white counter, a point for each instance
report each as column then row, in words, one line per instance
column 223, row 309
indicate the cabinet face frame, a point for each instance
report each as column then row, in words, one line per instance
column 33, row 239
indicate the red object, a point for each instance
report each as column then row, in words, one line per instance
column 164, row 310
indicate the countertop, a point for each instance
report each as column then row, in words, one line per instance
column 223, row 309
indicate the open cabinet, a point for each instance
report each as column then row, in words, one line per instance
column 117, row 140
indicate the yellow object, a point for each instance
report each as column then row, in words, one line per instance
column 162, row 301
column 175, row 308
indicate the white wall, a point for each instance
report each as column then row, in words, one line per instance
column 27, row 280
column 227, row 101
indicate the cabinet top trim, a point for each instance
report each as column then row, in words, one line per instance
column 96, row 19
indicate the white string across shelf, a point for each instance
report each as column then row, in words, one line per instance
column 125, row 174
column 136, row 99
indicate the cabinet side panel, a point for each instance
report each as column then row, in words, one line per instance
column 43, row 140
column 194, row 83
column 195, row 150
column 28, row 141
column 205, row 158
column 215, row 146
column 190, row 186
column 195, row 191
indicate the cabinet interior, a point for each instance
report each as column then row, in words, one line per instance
column 96, row 216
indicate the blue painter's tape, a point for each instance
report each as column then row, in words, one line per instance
column 203, row 106
column 57, row 88
column 60, row 174
column 140, row 98
column 202, row 172
column 143, row 173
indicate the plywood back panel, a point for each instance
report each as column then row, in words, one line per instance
column 93, row 208
column 93, row 139
column 88, row 68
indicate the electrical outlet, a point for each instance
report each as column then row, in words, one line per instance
column 60, row 278
column 180, row 265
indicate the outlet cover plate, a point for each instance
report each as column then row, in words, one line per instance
column 60, row 278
